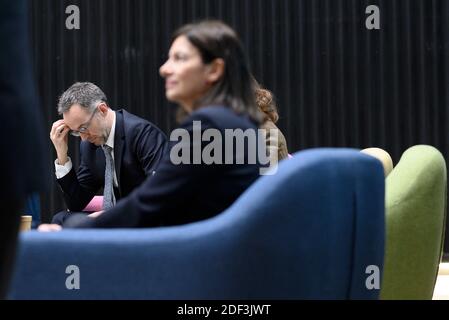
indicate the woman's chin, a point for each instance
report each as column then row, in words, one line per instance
column 171, row 97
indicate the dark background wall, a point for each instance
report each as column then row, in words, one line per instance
column 337, row 83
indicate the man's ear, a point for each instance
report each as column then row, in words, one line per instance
column 216, row 70
column 103, row 108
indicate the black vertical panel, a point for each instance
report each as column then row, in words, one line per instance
column 336, row 83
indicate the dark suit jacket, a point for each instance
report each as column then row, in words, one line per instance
column 138, row 147
column 24, row 165
column 183, row 193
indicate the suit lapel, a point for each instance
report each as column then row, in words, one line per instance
column 119, row 143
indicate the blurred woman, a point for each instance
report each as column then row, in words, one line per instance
column 207, row 75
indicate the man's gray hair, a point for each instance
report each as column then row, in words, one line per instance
column 86, row 94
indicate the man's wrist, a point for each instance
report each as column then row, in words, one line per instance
column 61, row 170
column 62, row 160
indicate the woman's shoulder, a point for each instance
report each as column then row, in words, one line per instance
column 221, row 117
column 214, row 112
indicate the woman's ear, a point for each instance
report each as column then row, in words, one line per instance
column 216, row 70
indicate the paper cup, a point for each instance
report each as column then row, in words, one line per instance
column 25, row 223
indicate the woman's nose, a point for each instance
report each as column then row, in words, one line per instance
column 164, row 69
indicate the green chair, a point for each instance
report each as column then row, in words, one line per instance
column 415, row 220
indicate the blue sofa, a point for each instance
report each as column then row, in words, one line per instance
column 310, row 231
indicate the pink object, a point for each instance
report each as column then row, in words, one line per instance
column 96, row 204
column 290, row 156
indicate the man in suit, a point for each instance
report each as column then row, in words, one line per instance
column 23, row 164
column 129, row 146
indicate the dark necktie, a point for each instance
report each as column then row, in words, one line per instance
column 108, row 194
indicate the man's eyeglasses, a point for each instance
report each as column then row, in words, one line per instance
column 84, row 128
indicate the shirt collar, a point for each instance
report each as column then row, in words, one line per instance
column 110, row 141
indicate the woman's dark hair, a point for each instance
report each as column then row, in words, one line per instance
column 214, row 39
